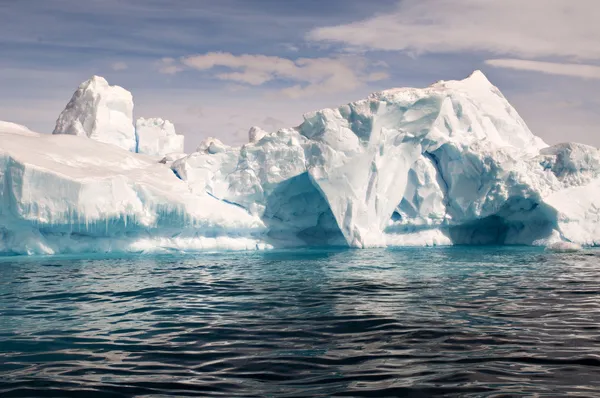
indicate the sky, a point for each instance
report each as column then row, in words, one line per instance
column 216, row 68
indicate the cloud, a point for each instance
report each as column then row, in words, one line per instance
column 551, row 68
column 197, row 111
column 290, row 47
column 564, row 116
column 119, row 66
column 272, row 123
column 310, row 75
column 377, row 76
column 525, row 29
column 169, row 66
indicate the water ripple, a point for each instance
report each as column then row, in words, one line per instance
column 411, row 322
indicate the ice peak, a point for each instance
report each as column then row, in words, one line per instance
column 479, row 77
column 476, row 82
column 101, row 112
column 96, row 81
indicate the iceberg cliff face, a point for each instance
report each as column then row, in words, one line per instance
column 449, row 164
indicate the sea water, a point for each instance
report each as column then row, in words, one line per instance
column 320, row 322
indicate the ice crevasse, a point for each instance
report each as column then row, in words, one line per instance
column 452, row 163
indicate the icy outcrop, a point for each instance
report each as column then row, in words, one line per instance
column 244, row 176
column 101, row 112
column 211, row 146
column 104, row 113
column 256, row 134
column 573, row 164
column 101, row 198
column 400, row 161
column 450, row 135
column 157, row 137
column 564, row 247
column 449, row 164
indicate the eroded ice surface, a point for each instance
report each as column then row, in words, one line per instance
column 449, row 164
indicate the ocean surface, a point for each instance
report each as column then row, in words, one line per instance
column 468, row 322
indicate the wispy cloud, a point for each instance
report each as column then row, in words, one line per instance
column 551, row 68
column 169, row 66
column 560, row 115
column 526, row 29
column 117, row 66
column 310, row 75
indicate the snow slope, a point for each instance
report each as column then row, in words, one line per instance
column 452, row 163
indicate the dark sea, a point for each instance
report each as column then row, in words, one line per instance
column 464, row 322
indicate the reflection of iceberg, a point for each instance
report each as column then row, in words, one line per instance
column 451, row 163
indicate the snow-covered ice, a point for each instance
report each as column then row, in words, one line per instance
column 101, row 112
column 102, row 198
column 157, row 137
column 452, row 163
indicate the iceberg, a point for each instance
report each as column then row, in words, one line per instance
column 452, row 163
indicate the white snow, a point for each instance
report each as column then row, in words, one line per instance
column 13, row 128
column 101, row 112
column 449, row 164
column 157, row 137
